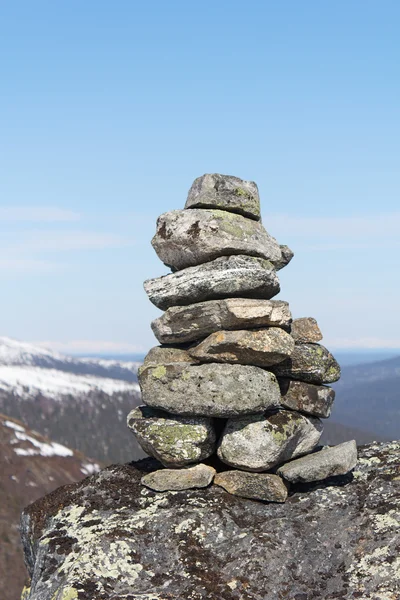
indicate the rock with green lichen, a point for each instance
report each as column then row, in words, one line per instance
column 307, row 398
column 260, row 442
column 225, row 192
column 256, row 486
column 164, row 355
column 259, row 347
column 210, row 390
column 186, row 238
column 199, row 476
column 312, row 363
column 111, row 538
column 225, row 277
column 181, row 324
column 328, row 462
column 175, row 441
column 305, row 330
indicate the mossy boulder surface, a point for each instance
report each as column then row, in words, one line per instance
column 316, row 400
column 175, row 441
column 260, row 442
column 186, row 238
column 109, row 538
column 210, row 390
column 311, row 363
column 225, row 192
column 225, row 277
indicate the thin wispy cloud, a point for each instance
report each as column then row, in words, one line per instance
column 36, row 214
column 26, row 266
column 54, row 241
column 378, row 226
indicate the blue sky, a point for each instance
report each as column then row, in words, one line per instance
column 108, row 111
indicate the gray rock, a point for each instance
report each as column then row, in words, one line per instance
column 210, row 390
column 305, row 330
column 224, row 277
column 182, row 324
column 328, row 462
column 307, row 398
column 165, row 355
column 259, row 442
column 312, row 363
column 256, row 486
column 225, row 192
column 186, row 238
column 175, row 441
column 286, row 257
column 259, row 347
column 109, row 538
column 199, row 476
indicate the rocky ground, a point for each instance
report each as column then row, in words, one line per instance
column 108, row 537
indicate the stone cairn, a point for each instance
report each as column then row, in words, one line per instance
column 234, row 375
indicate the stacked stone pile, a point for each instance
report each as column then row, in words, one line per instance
column 234, row 375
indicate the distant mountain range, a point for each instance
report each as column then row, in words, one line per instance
column 30, row 466
column 79, row 402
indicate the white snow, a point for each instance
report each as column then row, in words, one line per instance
column 40, row 448
column 13, row 425
column 14, row 352
column 28, row 381
column 90, row 468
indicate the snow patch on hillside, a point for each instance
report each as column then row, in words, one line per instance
column 27, row 382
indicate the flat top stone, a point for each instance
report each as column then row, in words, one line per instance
column 328, row 462
column 224, row 277
column 199, row 476
column 257, row 486
column 185, row 238
column 225, row 192
column 180, row 324
column 165, row 355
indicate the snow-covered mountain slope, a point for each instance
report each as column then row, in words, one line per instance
column 16, row 353
column 30, row 466
column 81, row 403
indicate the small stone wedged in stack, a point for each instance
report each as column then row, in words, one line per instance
column 235, row 375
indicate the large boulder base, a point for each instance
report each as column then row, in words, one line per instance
column 175, row 441
column 224, row 277
column 182, row 324
column 186, row 238
column 210, row 390
column 260, row 442
column 307, row 398
column 257, row 486
column 260, row 347
column 312, row 363
column 328, row 462
column 110, row 538
column 225, row 192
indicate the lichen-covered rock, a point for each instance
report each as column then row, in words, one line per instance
column 199, row 476
column 225, row 192
column 259, row 442
column 210, row 390
column 312, row 363
column 165, row 355
column 305, row 330
column 256, row 486
column 186, row 238
column 182, row 324
column 224, row 277
column 286, row 256
column 109, row 537
column 175, row 441
column 307, row 398
column 328, row 462
column 259, row 347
